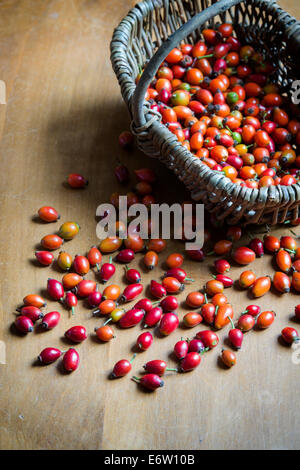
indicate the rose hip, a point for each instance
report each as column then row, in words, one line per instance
column 94, row 299
column 64, row 261
column 192, row 319
column 222, row 266
column 158, row 367
column 281, row 282
column 271, row 243
column 107, row 271
column 133, row 276
column 122, row 367
column 24, row 324
column 190, row 362
column 94, row 257
column 150, row 260
column 297, row 311
column 125, row 256
column 213, row 287
column 253, row 310
column 152, row 317
column 51, row 242
column 71, row 360
column 157, row 290
column 48, row 214
column 169, row 303
column 122, row 174
column 55, row 289
column 290, row 335
column 131, row 292
column 208, row 313
column 196, row 345
column 50, row 320
column 144, row 341
column 68, row 230
column 181, row 349
column 77, row 334
column 209, row 338
column 44, row 257
column 235, row 336
column 85, row 287
column 172, row 285
column 179, row 274
column 71, row 301
column 81, row 265
column 125, row 139
column 131, row 318
column 149, row 381
column 34, row 300
column 195, row 299
column 105, row 307
column 257, row 246
column 261, row 286
column 196, row 255
column 144, row 304
column 71, row 280
column 145, row 174
column 168, row 323
column 104, row 333
column 265, row 319
column 283, row 260
column 77, row 181
column 34, row 313
column 49, row 355
column 246, row 322
column 228, row 357
column 243, row 255
column 226, row 281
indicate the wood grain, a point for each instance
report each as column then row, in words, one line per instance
column 63, row 114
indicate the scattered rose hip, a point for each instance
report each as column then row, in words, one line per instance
column 49, row 355
column 149, row 381
column 144, row 341
column 77, row 181
column 230, row 139
column 228, row 357
column 48, row 214
column 71, row 360
column 157, row 367
column 44, row 257
column 290, row 335
column 122, row 367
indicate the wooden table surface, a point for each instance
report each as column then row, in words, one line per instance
column 63, row 114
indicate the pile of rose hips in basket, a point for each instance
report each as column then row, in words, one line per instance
column 217, row 98
column 209, row 305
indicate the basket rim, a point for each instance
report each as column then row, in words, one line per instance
column 224, row 184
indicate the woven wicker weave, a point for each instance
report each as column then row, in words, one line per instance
column 147, row 34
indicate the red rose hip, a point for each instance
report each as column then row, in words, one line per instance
column 71, row 360
column 50, row 320
column 144, row 341
column 77, row 334
column 49, row 355
column 24, row 324
column 149, row 381
column 168, row 323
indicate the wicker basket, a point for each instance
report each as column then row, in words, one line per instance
column 147, row 34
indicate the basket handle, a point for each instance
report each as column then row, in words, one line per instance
column 162, row 52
